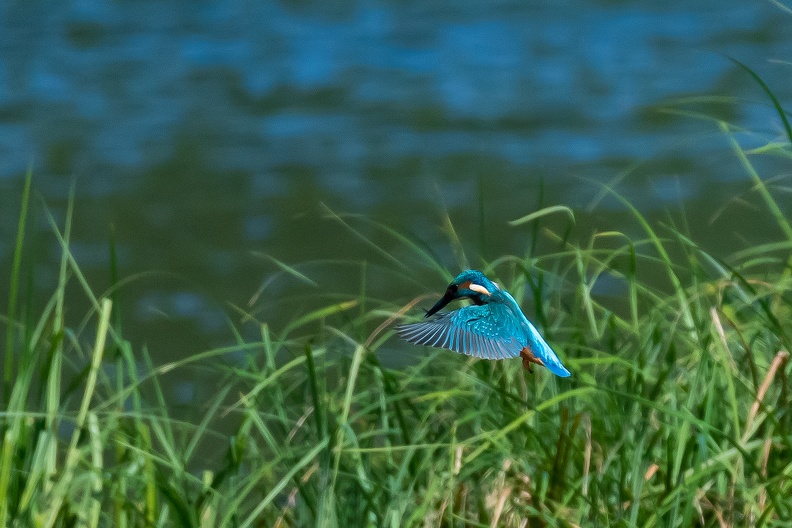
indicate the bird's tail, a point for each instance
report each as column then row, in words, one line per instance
column 542, row 350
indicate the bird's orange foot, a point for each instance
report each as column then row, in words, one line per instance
column 528, row 358
column 527, row 365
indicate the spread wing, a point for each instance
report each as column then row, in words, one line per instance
column 487, row 331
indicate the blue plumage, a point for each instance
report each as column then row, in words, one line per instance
column 493, row 327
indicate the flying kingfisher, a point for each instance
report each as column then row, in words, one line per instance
column 493, row 327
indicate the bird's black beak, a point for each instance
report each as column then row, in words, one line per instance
column 449, row 296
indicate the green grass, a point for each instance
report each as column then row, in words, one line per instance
column 677, row 413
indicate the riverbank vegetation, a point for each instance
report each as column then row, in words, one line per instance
column 677, row 412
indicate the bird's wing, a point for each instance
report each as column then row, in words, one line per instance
column 487, row 331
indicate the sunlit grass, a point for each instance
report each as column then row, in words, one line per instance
column 677, row 412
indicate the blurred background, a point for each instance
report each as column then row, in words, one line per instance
column 208, row 137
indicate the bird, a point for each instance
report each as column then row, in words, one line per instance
column 493, row 327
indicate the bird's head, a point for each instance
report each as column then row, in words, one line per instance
column 471, row 284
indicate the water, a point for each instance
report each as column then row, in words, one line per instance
column 207, row 134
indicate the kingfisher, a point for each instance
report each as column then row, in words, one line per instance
column 493, row 327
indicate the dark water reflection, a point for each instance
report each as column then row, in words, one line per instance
column 206, row 131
